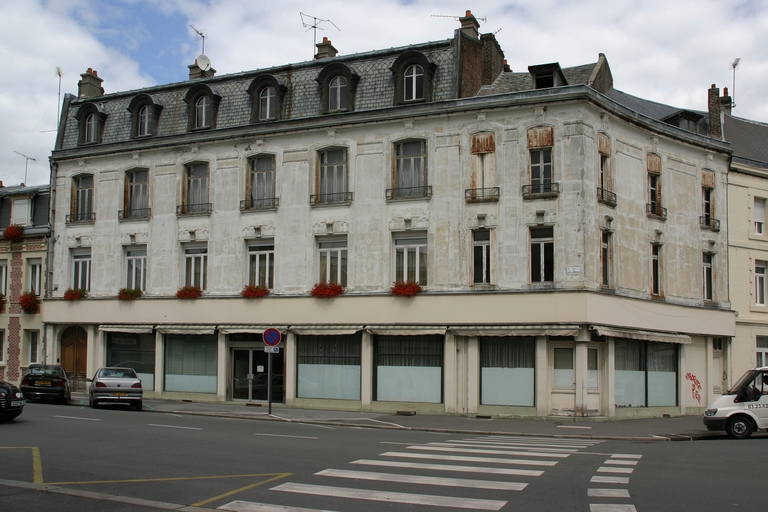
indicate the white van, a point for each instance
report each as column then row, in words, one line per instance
column 744, row 408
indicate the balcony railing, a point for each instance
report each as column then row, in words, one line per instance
column 81, row 217
column 656, row 210
column 136, row 213
column 606, row 196
column 409, row 192
column 541, row 190
column 710, row 223
column 194, row 209
column 333, row 198
column 481, row 195
column 265, row 203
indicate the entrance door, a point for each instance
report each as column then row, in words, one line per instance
column 74, row 355
column 250, row 372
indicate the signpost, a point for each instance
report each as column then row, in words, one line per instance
column 272, row 339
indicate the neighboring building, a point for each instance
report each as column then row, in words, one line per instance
column 557, row 234
column 22, row 269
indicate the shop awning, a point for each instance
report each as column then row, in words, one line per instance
column 633, row 334
column 250, row 329
column 325, row 330
column 515, row 330
column 406, row 330
column 132, row 329
column 186, row 329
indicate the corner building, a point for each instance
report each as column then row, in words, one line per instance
column 557, row 236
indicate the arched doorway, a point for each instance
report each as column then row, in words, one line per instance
column 74, row 355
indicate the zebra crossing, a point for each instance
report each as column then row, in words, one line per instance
column 509, row 463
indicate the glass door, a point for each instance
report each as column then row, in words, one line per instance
column 250, row 374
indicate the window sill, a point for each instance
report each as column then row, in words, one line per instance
column 138, row 214
column 541, row 191
column 658, row 297
column 482, row 195
column 330, row 205
column 260, row 205
column 709, row 223
column 758, row 308
column 483, row 287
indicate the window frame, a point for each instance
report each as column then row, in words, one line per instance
column 132, row 270
column 413, row 83
column 325, row 259
column 33, row 346
column 255, row 251
column 203, row 107
column 91, row 120
column 190, row 184
column 35, row 275
column 485, row 257
column 544, row 247
column 759, row 216
column 401, row 66
column 416, row 243
column 145, row 115
column 606, row 258
column 760, row 282
column 21, row 215
column 134, row 205
column 332, row 190
column 656, row 271
column 708, row 276
column 4, row 276
column 761, row 351
column 274, row 104
column 258, row 197
column 195, row 267
column 417, row 186
column 81, row 268
column 82, row 203
column 267, row 103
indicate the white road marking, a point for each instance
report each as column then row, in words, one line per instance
column 608, row 493
column 392, row 442
column 434, row 448
column 526, row 439
column 612, row 508
column 609, row 480
column 626, row 456
column 518, row 446
column 537, row 444
column 448, row 467
column 76, row 418
column 171, row 414
column 281, row 435
column 572, row 426
column 426, row 480
column 391, row 497
column 493, row 460
column 174, row 426
column 622, row 462
column 249, row 506
column 604, row 469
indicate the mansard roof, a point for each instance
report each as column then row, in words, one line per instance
column 748, row 138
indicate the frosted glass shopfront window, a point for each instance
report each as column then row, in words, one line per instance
column 190, row 363
column 646, row 373
column 329, row 367
column 564, row 376
column 409, row 368
column 507, row 371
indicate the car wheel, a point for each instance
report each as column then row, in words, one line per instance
column 739, row 427
column 93, row 403
column 138, row 405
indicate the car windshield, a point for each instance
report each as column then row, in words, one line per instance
column 117, row 374
column 47, row 372
column 743, row 380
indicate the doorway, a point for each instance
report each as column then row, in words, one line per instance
column 74, row 355
column 250, row 374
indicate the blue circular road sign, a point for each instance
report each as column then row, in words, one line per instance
column 271, row 337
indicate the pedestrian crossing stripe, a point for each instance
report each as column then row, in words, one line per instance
column 431, row 447
column 463, row 458
column 449, row 467
column 425, row 480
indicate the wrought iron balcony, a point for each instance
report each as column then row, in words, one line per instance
column 333, row 198
column 541, row 190
column 708, row 222
column 409, row 192
column 264, row 203
column 656, row 210
column 194, row 209
column 136, row 213
column 606, row 196
column 481, row 195
column 89, row 217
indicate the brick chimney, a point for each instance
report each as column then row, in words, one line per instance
column 196, row 72
column 325, row 50
column 726, row 102
column 89, row 85
column 714, row 108
column 470, row 25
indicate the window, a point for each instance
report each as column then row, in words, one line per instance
column 137, row 195
column 191, row 361
column 541, row 171
column 4, row 277
column 411, row 257
column 35, row 275
column 261, row 185
column 202, row 112
column 605, row 192
column 332, row 180
column 144, row 116
column 20, row 213
column 481, row 256
column 329, row 366
column 762, row 351
column 564, row 376
column 196, row 266
column 656, row 270
column 2, row 346
column 759, row 215
column 646, row 373
column 261, row 264
column 338, row 85
column 34, row 348
column 482, row 169
column 706, row 203
column 196, row 191
column 135, row 351
column 81, row 269
column 592, row 368
column 654, row 206
column 707, row 258
column 91, row 120
column 333, row 260
column 410, row 170
column 408, row 368
column 337, row 94
column 267, row 103
column 707, row 219
column 542, row 255
column 266, row 97
column 91, row 128
column 203, row 107
column 82, row 202
column 414, row 83
column 136, row 267
column 760, row 283
column 507, row 371
column 414, row 76
column 143, row 121
column 606, row 258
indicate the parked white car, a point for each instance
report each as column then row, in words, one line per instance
column 743, row 409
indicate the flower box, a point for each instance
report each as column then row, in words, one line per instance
column 327, row 290
column 405, row 288
column 254, row 292
column 29, row 302
column 75, row 294
column 14, row 233
column 189, row 292
column 129, row 293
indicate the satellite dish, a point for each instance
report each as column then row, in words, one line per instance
column 203, row 62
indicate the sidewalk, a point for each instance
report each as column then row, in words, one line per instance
column 684, row 428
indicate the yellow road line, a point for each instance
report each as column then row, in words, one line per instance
column 37, row 465
column 226, row 494
column 167, row 479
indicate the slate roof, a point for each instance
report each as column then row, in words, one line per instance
column 749, row 139
column 516, row 82
column 40, row 198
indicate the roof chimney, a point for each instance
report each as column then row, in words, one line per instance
column 89, row 85
column 196, row 72
column 726, row 102
column 325, row 50
column 715, row 123
column 470, row 26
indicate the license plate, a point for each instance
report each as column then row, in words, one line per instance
column 119, row 393
column 43, row 383
column 17, row 403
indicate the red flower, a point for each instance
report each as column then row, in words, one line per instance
column 29, row 302
column 189, row 292
column 252, row 292
column 327, row 290
column 129, row 293
column 405, row 288
column 14, row 233
column 76, row 294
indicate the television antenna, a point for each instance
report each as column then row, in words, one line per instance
column 734, row 65
column 26, row 163
column 315, row 24
column 457, row 18
column 200, row 33
column 59, row 72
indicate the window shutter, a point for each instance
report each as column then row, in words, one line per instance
column 759, row 210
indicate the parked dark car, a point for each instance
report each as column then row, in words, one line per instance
column 47, row 382
column 11, row 401
column 115, row 385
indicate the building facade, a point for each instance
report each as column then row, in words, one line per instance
column 571, row 252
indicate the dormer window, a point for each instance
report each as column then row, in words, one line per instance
column 203, row 107
column 92, row 121
column 546, row 76
column 338, row 85
column 202, row 112
column 267, row 104
column 91, row 128
column 414, row 76
column 414, row 83
column 143, row 128
column 145, row 115
column 266, row 98
column 337, row 95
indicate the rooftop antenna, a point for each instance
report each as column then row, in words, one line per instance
column 734, row 65
column 26, row 163
column 58, row 105
column 457, row 18
column 315, row 24
column 202, row 36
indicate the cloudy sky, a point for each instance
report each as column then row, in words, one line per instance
column 668, row 51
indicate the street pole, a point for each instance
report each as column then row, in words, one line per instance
column 269, row 383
